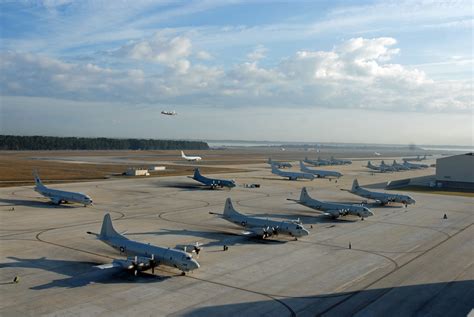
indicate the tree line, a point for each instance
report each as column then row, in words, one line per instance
column 14, row 142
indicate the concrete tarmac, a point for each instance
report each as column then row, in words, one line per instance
column 402, row 261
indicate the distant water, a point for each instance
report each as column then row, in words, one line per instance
column 448, row 149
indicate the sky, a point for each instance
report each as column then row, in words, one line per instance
column 393, row 72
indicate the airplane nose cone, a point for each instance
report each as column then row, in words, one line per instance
column 304, row 232
column 195, row 265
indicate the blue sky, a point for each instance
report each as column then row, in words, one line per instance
column 342, row 71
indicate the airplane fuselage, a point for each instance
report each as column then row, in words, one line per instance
column 61, row 196
column 274, row 227
column 162, row 256
column 384, row 198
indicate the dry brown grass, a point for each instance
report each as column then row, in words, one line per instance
column 16, row 167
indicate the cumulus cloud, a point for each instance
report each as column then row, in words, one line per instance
column 357, row 73
column 258, row 53
column 160, row 49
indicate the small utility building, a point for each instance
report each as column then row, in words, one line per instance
column 455, row 171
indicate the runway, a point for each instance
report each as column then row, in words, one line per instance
column 402, row 261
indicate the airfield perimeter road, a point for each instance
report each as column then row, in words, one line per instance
column 401, row 262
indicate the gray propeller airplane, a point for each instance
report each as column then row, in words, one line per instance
column 292, row 176
column 311, row 162
column 380, row 168
column 389, row 167
column 259, row 227
column 380, row 197
column 319, row 173
column 142, row 256
column 400, row 166
column 417, row 158
column 212, row 182
column 335, row 210
column 60, row 196
column 414, row 165
column 335, row 161
column 278, row 164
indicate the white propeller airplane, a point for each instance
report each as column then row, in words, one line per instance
column 60, row 196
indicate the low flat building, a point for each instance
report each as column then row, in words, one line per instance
column 137, row 172
column 156, row 168
column 455, row 171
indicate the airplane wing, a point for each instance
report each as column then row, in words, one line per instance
column 262, row 232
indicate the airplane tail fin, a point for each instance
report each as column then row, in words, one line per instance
column 229, row 208
column 302, row 166
column 37, row 179
column 304, row 197
column 182, row 154
column 355, row 185
column 197, row 174
column 107, row 231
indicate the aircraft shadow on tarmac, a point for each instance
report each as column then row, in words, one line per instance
column 434, row 299
column 35, row 203
column 220, row 238
column 80, row 273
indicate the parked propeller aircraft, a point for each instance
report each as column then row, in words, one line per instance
column 335, row 161
column 388, row 167
column 322, row 161
column 414, row 165
column 400, row 166
column 259, row 227
column 292, row 176
column 381, row 198
column 169, row 113
column 417, row 158
column 380, row 168
column 190, row 158
column 212, row 182
column 278, row 164
column 335, row 210
column 142, row 256
column 319, row 173
column 60, row 196
column 311, row 162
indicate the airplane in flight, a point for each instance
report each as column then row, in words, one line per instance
column 292, row 176
column 319, row 173
column 414, row 165
column 142, row 256
column 377, row 154
column 190, row 158
column 60, row 196
column 334, row 210
column 259, row 227
column 278, row 164
column 380, row 197
column 335, row 161
column 169, row 113
column 212, row 182
column 380, row 168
